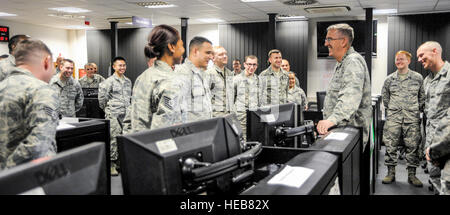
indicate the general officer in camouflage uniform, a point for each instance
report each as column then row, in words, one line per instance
column 192, row 72
column 403, row 99
column 114, row 95
column 157, row 95
column 437, row 98
column 221, row 79
column 91, row 79
column 245, row 92
column 295, row 93
column 70, row 93
column 274, row 81
column 6, row 64
column 28, row 117
column 348, row 100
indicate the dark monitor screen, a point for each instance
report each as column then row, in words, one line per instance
column 151, row 161
column 79, row 171
column 320, row 99
column 262, row 123
column 91, row 107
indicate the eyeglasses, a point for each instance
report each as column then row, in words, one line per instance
column 330, row 39
column 251, row 64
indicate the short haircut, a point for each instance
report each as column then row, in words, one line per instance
column 93, row 64
column 407, row 54
column 251, row 57
column 88, row 64
column 16, row 39
column 344, row 29
column 118, row 58
column 431, row 45
column 273, row 51
column 197, row 41
column 26, row 49
column 67, row 60
column 237, row 60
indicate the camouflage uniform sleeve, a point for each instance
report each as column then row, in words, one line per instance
column 43, row 120
column 79, row 98
column 141, row 112
column 126, row 124
column 441, row 141
column 168, row 102
column 304, row 98
column 103, row 90
column 421, row 96
column 385, row 93
column 350, row 96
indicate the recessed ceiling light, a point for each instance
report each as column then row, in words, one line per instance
column 211, row 20
column 289, row 17
column 70, row 9
column 384, row 11
column 155, row 4
column 7, row 14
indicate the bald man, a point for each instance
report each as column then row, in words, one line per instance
column 437, row 103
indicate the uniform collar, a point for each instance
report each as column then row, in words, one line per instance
column 350, row 51
column 162, row 65
column 444, row 70
column 408, row 75
column 192, row 67
column 69, row 81
column 11, row 59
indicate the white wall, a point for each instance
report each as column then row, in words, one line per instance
column 320, row 70
column 69, row 43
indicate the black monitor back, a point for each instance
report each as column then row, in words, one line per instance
column 320, row 99
column 261, row 123
column 151, row 160
column 79, row 171
column 91, row 107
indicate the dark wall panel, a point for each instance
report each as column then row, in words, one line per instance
column 408, row 32
column 131, row 46
column 99, row 50
column 245, row 39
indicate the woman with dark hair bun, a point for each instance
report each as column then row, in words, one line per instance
column 158, row 99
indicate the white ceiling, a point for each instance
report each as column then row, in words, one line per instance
column 37, row 12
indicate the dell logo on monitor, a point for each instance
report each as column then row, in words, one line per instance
column 181, row 131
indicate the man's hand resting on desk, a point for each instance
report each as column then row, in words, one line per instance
column 323, row 126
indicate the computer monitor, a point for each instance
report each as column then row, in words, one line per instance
column 91, row 107
column 183, row 159
column 277, row 125
column 79, row 171
column 320, row 99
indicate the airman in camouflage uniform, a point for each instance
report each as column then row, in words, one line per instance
column 28, row 116
column 273, row 82
column 287, row 67
column 192, row 72
column 403, row 99
column 348, row 100
column 437, row 99
column 70, row 93
column 245, row 92
column 439, row 152
column 7, row 64
column 114, row 95
column 91, row 79
column 221, row 79
column 295, row 93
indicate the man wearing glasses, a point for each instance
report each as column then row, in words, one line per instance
column 245, row 91
column 348, row 100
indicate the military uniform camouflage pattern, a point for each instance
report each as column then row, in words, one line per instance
column 220, row 85
column 437, row 102
column 440, row 151
column 6, row 65
column 93, row 82
column 114, row 95
column 28, row 119
column 158, row 100
column 245, row 93
column 403, row 101
column 70, row 95
column 349, row 100
column 273, row 87
column 196, row 85
column 297, row 95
